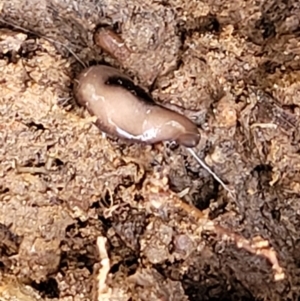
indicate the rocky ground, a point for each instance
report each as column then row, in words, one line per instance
column 86, row 217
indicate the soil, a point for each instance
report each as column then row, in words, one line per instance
column 88, row 217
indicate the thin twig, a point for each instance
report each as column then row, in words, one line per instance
column 206, row 167
column 44, row 37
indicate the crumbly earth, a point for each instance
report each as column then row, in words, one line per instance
column 85, row 217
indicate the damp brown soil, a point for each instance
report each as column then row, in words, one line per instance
column 87, row 217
